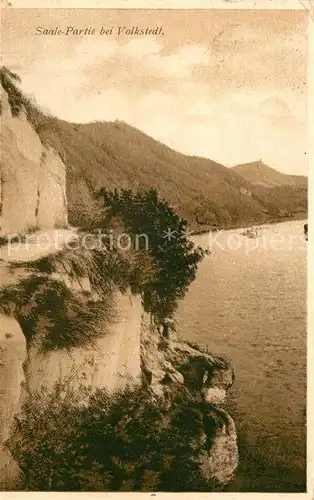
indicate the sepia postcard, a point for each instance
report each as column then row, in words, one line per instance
column 154, row 235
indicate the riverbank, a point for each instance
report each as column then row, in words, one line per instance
column 242, row 225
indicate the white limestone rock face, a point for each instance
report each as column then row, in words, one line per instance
column 110, row 362
column 52, row 203
column 33, row 177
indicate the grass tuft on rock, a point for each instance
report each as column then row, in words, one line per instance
column 51, row 313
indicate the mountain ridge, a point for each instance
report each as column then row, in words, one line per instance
column 258, row 173
column 117, row 155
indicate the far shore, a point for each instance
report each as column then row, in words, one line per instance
column 243, row 225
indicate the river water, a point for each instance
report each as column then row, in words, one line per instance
column 248, row 304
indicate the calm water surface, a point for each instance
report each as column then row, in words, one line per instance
column 248, row 303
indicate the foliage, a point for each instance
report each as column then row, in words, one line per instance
column 10, row 82
column 51, row 313
column 174, row 256
column 121, row 443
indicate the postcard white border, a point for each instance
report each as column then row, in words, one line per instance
column 232, row 5
column 156, row 4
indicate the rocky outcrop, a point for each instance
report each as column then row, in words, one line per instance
column 171, row 361
column 221, row 460
column 172, row 368
column 32, row 180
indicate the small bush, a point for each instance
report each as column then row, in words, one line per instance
column 10, row 82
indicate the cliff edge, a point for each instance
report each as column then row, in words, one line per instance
column 33, row 177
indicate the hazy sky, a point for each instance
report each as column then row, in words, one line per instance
column 227, row 85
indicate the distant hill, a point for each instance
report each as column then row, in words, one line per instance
column 262, row 175
column 114, row 154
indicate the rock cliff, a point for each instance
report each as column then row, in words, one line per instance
column 33, row 177
column 127, row 350
column 111, row 360
column 66, row 317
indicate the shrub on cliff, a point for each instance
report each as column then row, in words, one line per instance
column 121, row 443
column 49, row 312
column 17, row 100
column 9, row 81
column 174, row 256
